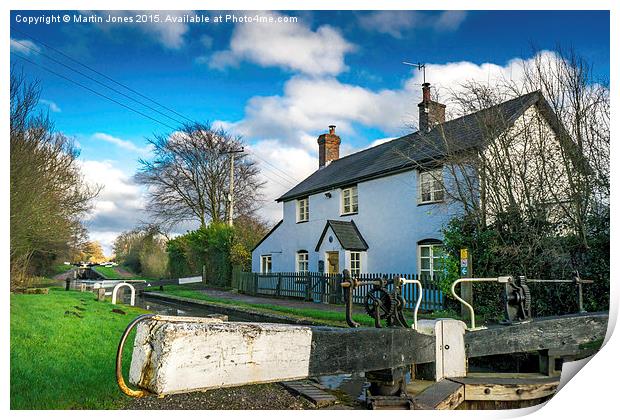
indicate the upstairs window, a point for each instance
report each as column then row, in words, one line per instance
column 431, row 186
column 303, row 210
column 349, row 200
column 265, row 264
column 355, row 265
column 302, row 261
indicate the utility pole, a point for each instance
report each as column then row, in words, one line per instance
column 231, row 187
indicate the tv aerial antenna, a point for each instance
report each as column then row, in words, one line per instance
column 420, row 66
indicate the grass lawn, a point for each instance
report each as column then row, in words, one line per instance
column 60, row 268
column 61, row 361
column 111, row 272
column 335, row 318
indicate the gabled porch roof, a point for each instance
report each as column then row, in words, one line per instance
column 347, row 234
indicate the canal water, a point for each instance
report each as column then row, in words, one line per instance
column 353, row 386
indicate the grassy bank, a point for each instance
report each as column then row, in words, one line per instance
column 115, row 273
column 63, row 349
column 334, row 318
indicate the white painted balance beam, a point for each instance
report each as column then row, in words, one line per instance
column 184, row 354
column 172, row 357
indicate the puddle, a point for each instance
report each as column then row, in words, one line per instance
column 354, row 385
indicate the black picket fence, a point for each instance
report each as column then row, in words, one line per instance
column 325, row 288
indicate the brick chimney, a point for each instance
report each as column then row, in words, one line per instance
column 329, row 147
column 431, row 112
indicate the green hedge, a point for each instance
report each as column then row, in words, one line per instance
column 209, row 247
column 514, row 247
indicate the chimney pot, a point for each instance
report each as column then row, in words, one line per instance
column 426, row 92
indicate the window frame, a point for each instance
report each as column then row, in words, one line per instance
column 436, row 176
column 263, row 258
column 431, row 259
column 306, row 208
column 355, row 271
column 350, row 190
column 298, row 261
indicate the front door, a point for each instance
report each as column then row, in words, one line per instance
column 333, row 265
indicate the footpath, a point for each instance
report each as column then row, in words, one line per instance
column 289, row 303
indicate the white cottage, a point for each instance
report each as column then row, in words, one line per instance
column 377, row 211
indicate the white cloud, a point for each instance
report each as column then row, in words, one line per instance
column 450, row 20
column 297, row 162
column 284, row 128
column 118, row 207
column 381, row 141
column 391, row 22
column 50, row 104
column 206, row 41
column 292, row 46
column 123, row 144
column 169, row 34
column 24, row 46
column 398, row 23
column 308, row 105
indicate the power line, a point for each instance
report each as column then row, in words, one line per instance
column 100, row 74
column 92, row 90
column 288, row 187
column 290, row 177
column 130, row 108
column 295, row 180
column 97, row 81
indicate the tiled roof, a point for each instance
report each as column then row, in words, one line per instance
column 405, row 152
column 347, row 234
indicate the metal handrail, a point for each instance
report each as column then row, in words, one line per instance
column 418, row 302
column 504, row 279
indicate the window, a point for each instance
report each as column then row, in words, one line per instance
column 303, row 210
column 349, row 200
column 302, row 261
column 431, row 186
column 265, row 264
column 431, row 261
column 355, row 266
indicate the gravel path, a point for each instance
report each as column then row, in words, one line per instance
column 251, row 397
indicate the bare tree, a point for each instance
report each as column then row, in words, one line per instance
column 188, row 177
column 550, row 165
column 48, row 193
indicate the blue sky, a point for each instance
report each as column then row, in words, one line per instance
column 279, row 85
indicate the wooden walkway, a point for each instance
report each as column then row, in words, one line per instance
column 310, row 391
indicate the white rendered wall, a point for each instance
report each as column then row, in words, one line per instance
column 389, row 219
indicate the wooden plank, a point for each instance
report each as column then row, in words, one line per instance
column 339, row 350
column 560, row 333
column 507, row 389
column 444, row 395
column 311, row 392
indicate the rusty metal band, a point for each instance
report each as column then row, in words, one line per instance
column 119, row 358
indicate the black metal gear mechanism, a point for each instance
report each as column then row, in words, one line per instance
column 517, row 301
column 379, row 299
